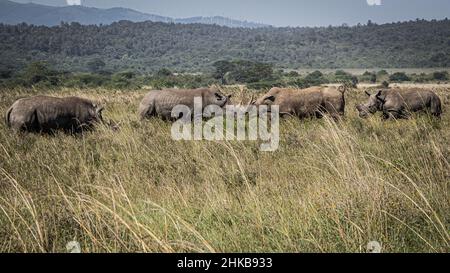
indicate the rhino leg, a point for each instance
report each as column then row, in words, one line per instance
column 393, row 114
column 146, row 111
column 32, row 124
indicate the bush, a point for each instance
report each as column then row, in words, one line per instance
column 422, row 77
column 39, row 73
column 382, row 73
column 87, row 80
column 399, row 77
column 315, row 78
column 265, row 85
column 440, row 76
column 242, row 71
column 123, row 80
column 181, row 81
column 368, row 77
column 293, row 73
column 299, row 83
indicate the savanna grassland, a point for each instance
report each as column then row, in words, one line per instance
column 331, row 187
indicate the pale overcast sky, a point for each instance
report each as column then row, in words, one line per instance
column 282, row 12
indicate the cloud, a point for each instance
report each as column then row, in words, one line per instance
column 374, row 2
column 73, row 2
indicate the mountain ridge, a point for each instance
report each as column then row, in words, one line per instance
column 15, row 13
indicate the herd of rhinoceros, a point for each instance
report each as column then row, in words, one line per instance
column 73, row 114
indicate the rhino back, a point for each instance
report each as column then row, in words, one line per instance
column 166, row 100
column 302, row 103
column 47, row 113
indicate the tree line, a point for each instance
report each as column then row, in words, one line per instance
column 254, row 75
column 149, row 47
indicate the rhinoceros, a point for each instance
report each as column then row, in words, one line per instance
column 44, row 114
column 399, row 103
column 160, row 103
column 309, row 102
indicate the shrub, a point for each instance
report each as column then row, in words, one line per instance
column 440, row 76
column 242, row 71
column 368, row 77
column 293, row 73
column 39, row 73
column 87, row 80
column 399, row 77
column 315, row 78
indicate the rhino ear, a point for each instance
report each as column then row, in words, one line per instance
column 270, row 98
column 380, row 97
column 99, row 110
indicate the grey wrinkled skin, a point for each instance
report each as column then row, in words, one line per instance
column 399, row 103
column 309, row 102
column 44, row 114
column 159, row 103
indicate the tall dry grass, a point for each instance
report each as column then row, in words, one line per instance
column 331, row 187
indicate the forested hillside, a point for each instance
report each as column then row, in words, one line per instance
column 149, row 46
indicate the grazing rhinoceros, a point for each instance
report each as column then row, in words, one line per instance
column 309, row 102
column 46, row 114
column 161, row 102
column 399, row 103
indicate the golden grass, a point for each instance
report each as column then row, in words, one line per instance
column 331, row 187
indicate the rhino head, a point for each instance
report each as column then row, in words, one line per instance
column 374, row 104
column 215, row 97
column 96, row 113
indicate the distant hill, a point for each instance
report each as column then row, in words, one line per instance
column 16, row 13
column 149, row 46
column 219, row 20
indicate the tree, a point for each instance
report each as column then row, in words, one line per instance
column 293, row 73
column 315, row 78
column 221, row 69
column 440, row 76
column 399, row 77
column 243, row 71
column 369, row 77
column 37, row 72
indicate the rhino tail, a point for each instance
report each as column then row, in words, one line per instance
column 8, row 117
